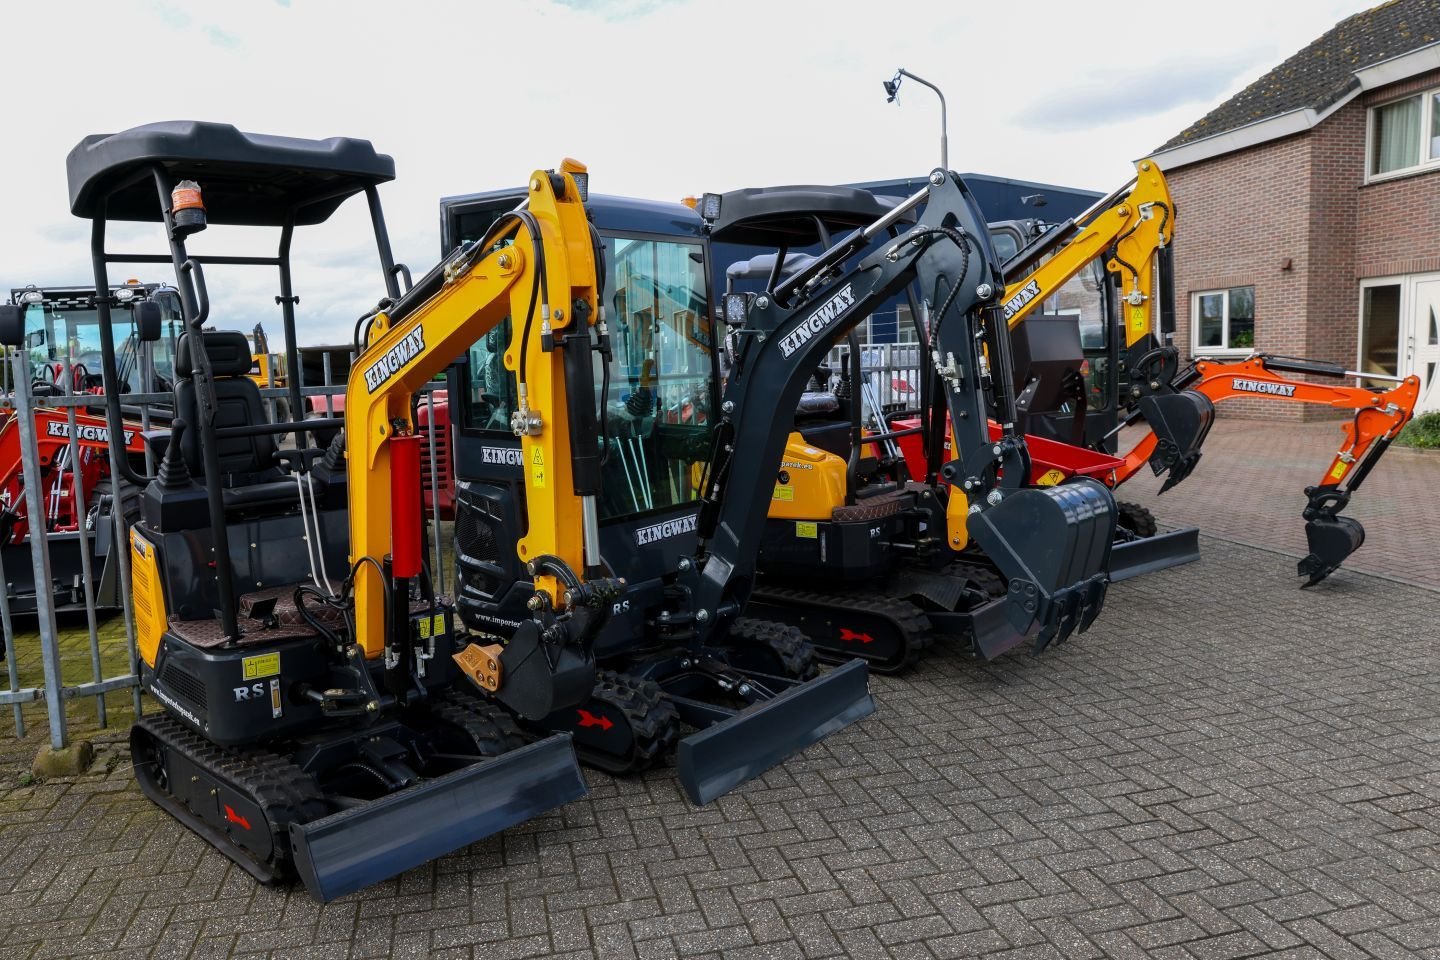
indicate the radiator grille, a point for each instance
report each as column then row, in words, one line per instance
column 476, row 543
column 184, row 684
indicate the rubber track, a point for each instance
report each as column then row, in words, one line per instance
column 1135, row 518
column 494, row 731
column 281, row 789
column 909, row 619
column 983, row 576
column 795, row 651
column 653, row 721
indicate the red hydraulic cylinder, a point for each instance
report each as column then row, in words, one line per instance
column 405, row 552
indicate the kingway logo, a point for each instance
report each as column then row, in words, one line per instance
column 1263, row 386
column 84, row 431
column 395, row 359
column 663, row 531
column 1027, row 293
column 833, row 309
column 509, row 456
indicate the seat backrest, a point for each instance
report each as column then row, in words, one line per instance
column 243, row 460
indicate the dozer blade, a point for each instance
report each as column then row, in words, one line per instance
column 1053, row 545
column 1180, row 422
column 1148, row 554
column 1331, row 540
column 726, row 754
column 346, row 851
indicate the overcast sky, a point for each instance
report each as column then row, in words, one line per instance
column 661, row 98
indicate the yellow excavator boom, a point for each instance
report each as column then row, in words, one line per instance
column 402, row 355
column 1132, row 226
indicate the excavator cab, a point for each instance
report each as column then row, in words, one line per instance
column 752, row 696
column 313, row 721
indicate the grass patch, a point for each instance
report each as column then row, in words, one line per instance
column 1422, row 433
column 75, row 668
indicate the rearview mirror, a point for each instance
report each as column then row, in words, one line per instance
column 148, row 321
column 12, row 325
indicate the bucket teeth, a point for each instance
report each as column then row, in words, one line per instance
column 1180, row 422
column 1331, row 539
column 1053, row 544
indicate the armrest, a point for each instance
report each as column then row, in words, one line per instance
column 303, row 459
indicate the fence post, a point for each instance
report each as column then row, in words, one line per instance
column 78, row 496
column 39, row 552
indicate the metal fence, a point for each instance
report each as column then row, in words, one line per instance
column 890, row 381
column 100, row 538
column 890, row 376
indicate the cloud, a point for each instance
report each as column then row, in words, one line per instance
column 616, row 10
column 222, row 39
column 1115, row 97
column 172, row 16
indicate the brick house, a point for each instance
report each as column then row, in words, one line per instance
column 1309, row 208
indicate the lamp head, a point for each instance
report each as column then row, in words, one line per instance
column 892, row 87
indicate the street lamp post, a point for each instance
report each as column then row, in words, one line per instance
column 892, row 88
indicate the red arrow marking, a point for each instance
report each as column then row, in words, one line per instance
column 850, row 636
column 588, row 719
column 234, row 817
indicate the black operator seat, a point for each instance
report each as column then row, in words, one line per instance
column 252, row 476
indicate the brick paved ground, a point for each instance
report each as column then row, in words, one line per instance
column 1224, row 767
column 1250, row 487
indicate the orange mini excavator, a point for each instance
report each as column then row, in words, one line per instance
column 1138, row 370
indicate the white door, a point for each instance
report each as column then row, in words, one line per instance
column 1421, row 341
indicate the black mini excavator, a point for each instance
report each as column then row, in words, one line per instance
column 284, row 615
column 690, row 472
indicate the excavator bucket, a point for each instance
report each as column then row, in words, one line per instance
column 727, row 753
column 1180, row 422
column 1331, row 540
column 1053, row 545
column 354, row 848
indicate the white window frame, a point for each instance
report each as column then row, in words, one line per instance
column 1402, row 281
column 1427, row 105
column 1196, row 350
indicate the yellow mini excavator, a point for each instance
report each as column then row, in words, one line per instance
column 314, row 721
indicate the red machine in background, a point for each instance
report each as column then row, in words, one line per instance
column 62, row 348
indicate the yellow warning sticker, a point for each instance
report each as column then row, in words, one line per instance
column 432, row 626
column 783, row 493
column 807, row 529
column 1137, row 319
column 264, row 665
column 1337, row 472
column 1049, row 478
column 537, row 467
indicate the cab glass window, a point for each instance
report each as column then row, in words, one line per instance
column 657, row 413
column 491, row 396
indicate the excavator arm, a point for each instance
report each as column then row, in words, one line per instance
column 1052, row 544
column 546, row 278
column 1131, row 228
column 1379, row 416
